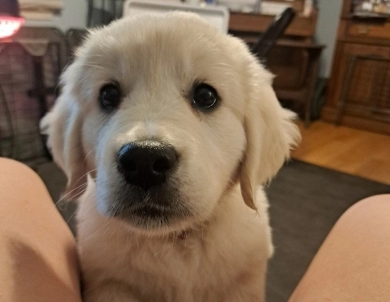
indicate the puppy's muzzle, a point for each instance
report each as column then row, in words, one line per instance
column 146, row 163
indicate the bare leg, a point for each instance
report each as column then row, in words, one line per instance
column 353, row 263
column 38, row 257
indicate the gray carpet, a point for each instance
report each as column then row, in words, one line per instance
column 306, row 201
column 55, row 181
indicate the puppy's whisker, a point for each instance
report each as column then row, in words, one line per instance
column 70, row 218
column 94, row 66
column 97, row 55
column 65, row 196
column 86, row 173
column 113, row 231
column 89, row 153
column 114, row 209
column 163, row 246
column 98, row 230
column 80, row 187
column 107, row 229
column 137, row 242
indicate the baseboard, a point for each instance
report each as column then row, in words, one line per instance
column 328, row 114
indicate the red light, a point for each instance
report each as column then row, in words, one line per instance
column 9, row 26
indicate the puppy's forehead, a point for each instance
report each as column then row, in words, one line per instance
column 172, row 44
column 165, row 33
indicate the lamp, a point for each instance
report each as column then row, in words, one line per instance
column 10, row 21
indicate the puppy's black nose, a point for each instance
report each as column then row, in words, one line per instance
column 146, row 163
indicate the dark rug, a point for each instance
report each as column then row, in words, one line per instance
column 55, row 181
column 306, row 201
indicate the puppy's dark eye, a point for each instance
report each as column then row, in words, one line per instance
column 110, row 97
column 204, row 96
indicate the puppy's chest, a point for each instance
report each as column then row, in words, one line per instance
column 180, row 271
column 182, row 259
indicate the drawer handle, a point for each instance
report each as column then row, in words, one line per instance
column 363, row 29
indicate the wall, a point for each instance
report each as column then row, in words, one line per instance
column 327, row 24
column 74, row 15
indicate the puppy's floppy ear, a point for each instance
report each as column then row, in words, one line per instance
column 270, row 134
column 63, row 127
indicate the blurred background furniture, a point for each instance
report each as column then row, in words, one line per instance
column 359, row 89
column 294, row 59
column 31, row 62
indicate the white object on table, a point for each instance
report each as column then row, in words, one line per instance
column 217, row 16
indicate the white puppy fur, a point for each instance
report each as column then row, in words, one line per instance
column 216, row 240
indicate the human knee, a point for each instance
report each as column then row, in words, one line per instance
column 371, row 211
column 17, row 179
column 13, row 167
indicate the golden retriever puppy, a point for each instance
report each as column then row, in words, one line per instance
column 167, row 129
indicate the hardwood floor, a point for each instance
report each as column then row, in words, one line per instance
column 357, row 152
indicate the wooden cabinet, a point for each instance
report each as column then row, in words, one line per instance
column 359, row 89
column 301, row 26
column 294, row 59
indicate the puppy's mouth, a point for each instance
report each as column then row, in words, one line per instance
column 160, row 207
column 147, row 211
column 151, row 212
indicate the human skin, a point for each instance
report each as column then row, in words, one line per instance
column 353, row 264
column 38, row 256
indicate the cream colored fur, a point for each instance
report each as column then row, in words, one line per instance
column 225, row 157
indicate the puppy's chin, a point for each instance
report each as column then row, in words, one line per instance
column 151, row 223
column 158, row 211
